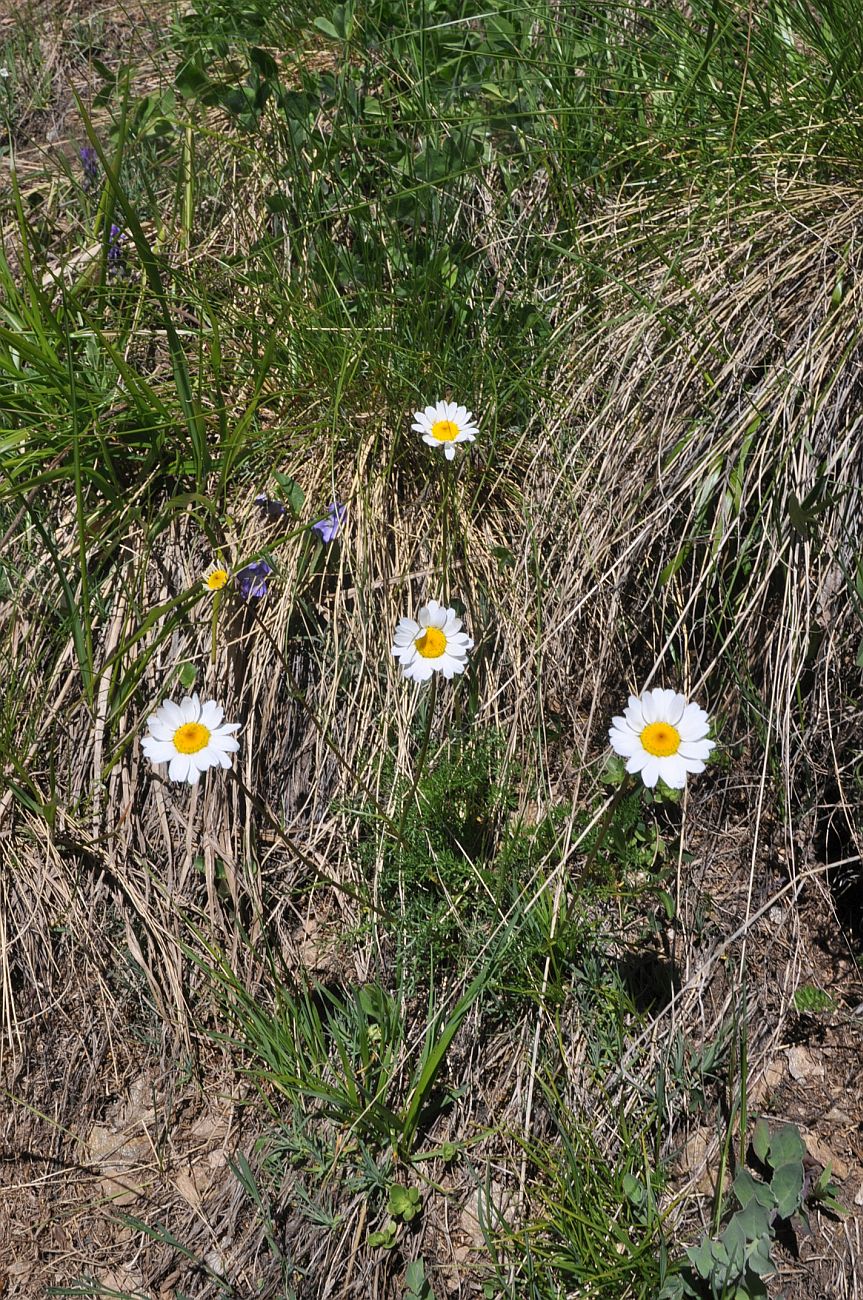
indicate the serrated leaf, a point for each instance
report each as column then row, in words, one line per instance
column 787, row 1186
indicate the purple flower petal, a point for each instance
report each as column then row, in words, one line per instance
column 328, row 528
column 252, row 581
column 273, row 510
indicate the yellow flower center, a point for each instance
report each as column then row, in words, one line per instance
column 191, row 737
column 660, row 739
column 217, row 579
column 431, row 644
column 444, row 430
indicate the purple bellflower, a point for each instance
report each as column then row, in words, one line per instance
column 329, row 527
column 271, row 509
column 116, row 252
column 90, row 164
column 252, row 581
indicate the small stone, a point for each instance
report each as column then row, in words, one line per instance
column 802, row 1065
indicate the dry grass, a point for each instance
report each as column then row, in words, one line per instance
column 682, row 505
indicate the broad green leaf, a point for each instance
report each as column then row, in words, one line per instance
column 754, row 1219
column 786, row 1146
column 745, row 1187
column 761, row 1140
column 760, row 1259
column 787, row 1187
column 701, row 1258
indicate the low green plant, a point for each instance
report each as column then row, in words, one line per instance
column 403, row 1203
column 735, row 1264
column 343, row 1054
column 809, row 1000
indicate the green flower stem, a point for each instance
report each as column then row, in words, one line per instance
column 214, row 626
column 421, row 758
column 605, row 824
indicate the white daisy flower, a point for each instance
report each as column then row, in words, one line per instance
column 444, row 425
column 663, row 737
column 191, row 737
column 434, row 643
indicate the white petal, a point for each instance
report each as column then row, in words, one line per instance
column 676, row 708
column 423, row 616
column 623, row 742
column 190, row 708
column 634, row 715
column 672, row 769
column 696, row 749
column 160, row 730
column 648, row 707
column 650, row 771
column 694, row 724
column 222, row 744
column 158, row 751
column 180, row 766
column 660, row 699
column 620, row 724
column 420, row 670
column 172, row 714
column 637, row 760
column 449, row 451
column 431, row 440
column 693, row 764
column 211, row 715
